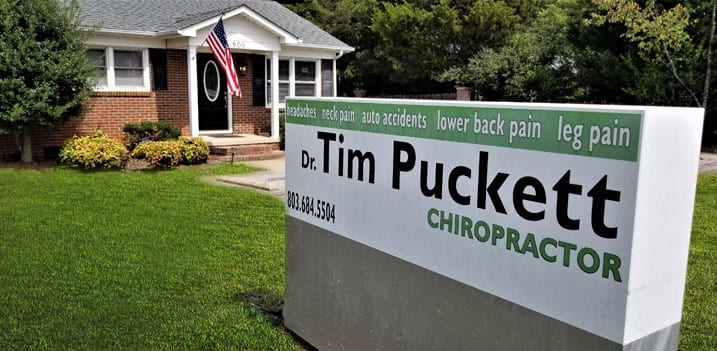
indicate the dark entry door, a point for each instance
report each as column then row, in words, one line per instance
column 212, row 85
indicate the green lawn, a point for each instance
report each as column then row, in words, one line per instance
column 138, row 260
column 699, row 315
column 163, row 260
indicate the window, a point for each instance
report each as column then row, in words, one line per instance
column 283, row 80
column 302, row 78
column 120, row 69
column 305, row 78
column 97, row 57
column 128, row 68
column 327, row 78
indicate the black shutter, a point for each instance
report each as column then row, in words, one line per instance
column 158, row 59
column 258, row 80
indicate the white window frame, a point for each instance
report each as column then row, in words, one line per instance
column 267, row 89
column 315, row 81
column 110, row 70
column 292, row 78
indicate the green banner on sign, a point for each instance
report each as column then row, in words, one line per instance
column 607, row 135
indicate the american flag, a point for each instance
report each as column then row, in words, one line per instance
column 217, row 41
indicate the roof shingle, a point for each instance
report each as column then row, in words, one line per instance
column 156, row 17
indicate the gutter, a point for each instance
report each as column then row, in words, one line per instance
column 131, row 32
column 342, row 49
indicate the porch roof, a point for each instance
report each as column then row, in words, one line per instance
column 168, row 17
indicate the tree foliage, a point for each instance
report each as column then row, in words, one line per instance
column 349, row 21
column 421, row 39
column 535, row 64
column 652, row 29
column 647, row 52
column 44, row 73
column 663, row 38
column 661, row 35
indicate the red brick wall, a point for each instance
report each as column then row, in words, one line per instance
column 172, row 105
column 110, row 111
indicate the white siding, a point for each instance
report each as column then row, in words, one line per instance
column 242, row 34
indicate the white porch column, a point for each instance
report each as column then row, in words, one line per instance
column 193, row 98
column 334, row 79
column 292, row 77
column 275, row 94
column 318, row 79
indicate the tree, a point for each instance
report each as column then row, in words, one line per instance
column 528, row 9
column 537, row 63
column 561, row 55
column 663, row 38
column 44, row 73
column 347, row 20
column 402, row 45
column 419, row 39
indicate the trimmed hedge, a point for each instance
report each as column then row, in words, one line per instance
column 282, row 131
column 159, row 154
column 144, row 131
column 194, row 150
column 168, row 154
column 96, row 150
column 100, row 151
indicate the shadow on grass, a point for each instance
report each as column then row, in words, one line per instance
column 138, row 169
column 30, row 165
column 271, row 306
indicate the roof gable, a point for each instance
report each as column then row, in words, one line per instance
column 169, row 17
column 269, row 26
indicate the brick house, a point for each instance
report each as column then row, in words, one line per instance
column 152, row 64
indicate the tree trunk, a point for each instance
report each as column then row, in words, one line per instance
column 671, row 64
column 26, row 149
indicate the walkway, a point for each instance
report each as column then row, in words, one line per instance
column 708, row 162
column 270, row 179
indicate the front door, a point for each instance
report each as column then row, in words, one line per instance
column 213, row 99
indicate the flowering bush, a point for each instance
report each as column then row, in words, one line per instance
column 96, row 150
column 159, row 154
column 143, row 131
column 194, row 150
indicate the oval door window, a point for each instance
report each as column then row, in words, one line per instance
column 211, row 81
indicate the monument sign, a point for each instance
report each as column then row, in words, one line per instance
column 496, row 226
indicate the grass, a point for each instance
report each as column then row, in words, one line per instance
column 138, row 260
column 162, row 260
column 699, row 314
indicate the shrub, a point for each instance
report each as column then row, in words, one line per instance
column 282, row 131
column 149, row 131
column 159, row 154
column 94, row 151
column 194, row 150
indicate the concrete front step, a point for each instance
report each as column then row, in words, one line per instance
column 274, row 154
column 252, row 149
column 243, row 147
